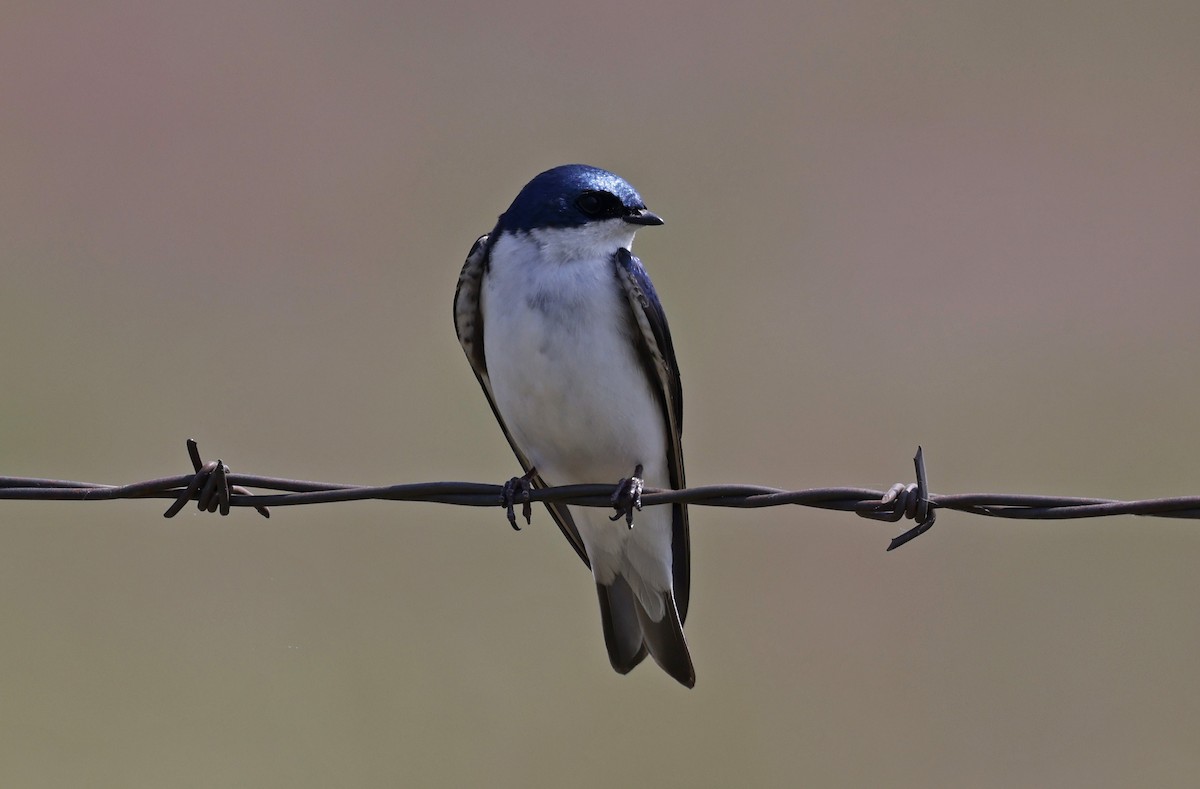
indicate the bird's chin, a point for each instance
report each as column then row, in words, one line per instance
column 591, row 241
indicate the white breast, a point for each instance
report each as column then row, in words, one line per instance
column 570, row 387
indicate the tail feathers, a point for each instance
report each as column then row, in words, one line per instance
column 666, row 643
column 622, row 633
column 629, row 633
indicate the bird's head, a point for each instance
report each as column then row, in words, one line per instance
column 582, row 202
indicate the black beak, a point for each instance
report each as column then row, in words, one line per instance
column 643, row 216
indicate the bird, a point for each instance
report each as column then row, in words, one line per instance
column 570, row 343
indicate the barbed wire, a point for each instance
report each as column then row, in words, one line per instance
column 215, row 488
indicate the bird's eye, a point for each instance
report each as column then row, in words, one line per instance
column 598, row 204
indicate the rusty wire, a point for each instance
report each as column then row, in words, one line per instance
column 215, row 488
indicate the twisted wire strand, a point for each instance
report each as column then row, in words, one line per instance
column 215, row 488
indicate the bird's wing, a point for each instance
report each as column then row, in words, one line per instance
column 468, row 323
column 658, row 360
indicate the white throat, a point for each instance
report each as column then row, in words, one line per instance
column 593, row 241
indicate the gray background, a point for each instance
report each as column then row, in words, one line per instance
column 967, row 225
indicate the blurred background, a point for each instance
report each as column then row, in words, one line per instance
column 971, row 226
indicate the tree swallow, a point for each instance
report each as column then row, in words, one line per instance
column 570, row 343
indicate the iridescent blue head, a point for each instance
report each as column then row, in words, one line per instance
column 574, row 195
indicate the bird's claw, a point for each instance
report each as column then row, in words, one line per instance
column 518, row 487
column 628, row 496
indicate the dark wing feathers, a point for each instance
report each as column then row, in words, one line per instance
column 658, row 360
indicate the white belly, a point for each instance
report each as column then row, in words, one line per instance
column 568, row 382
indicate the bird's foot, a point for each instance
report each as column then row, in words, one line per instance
column 628, row 496
column 518, row 488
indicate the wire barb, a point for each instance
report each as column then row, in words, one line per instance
column 904, row 501
column 917, row 505
column 209, row 487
